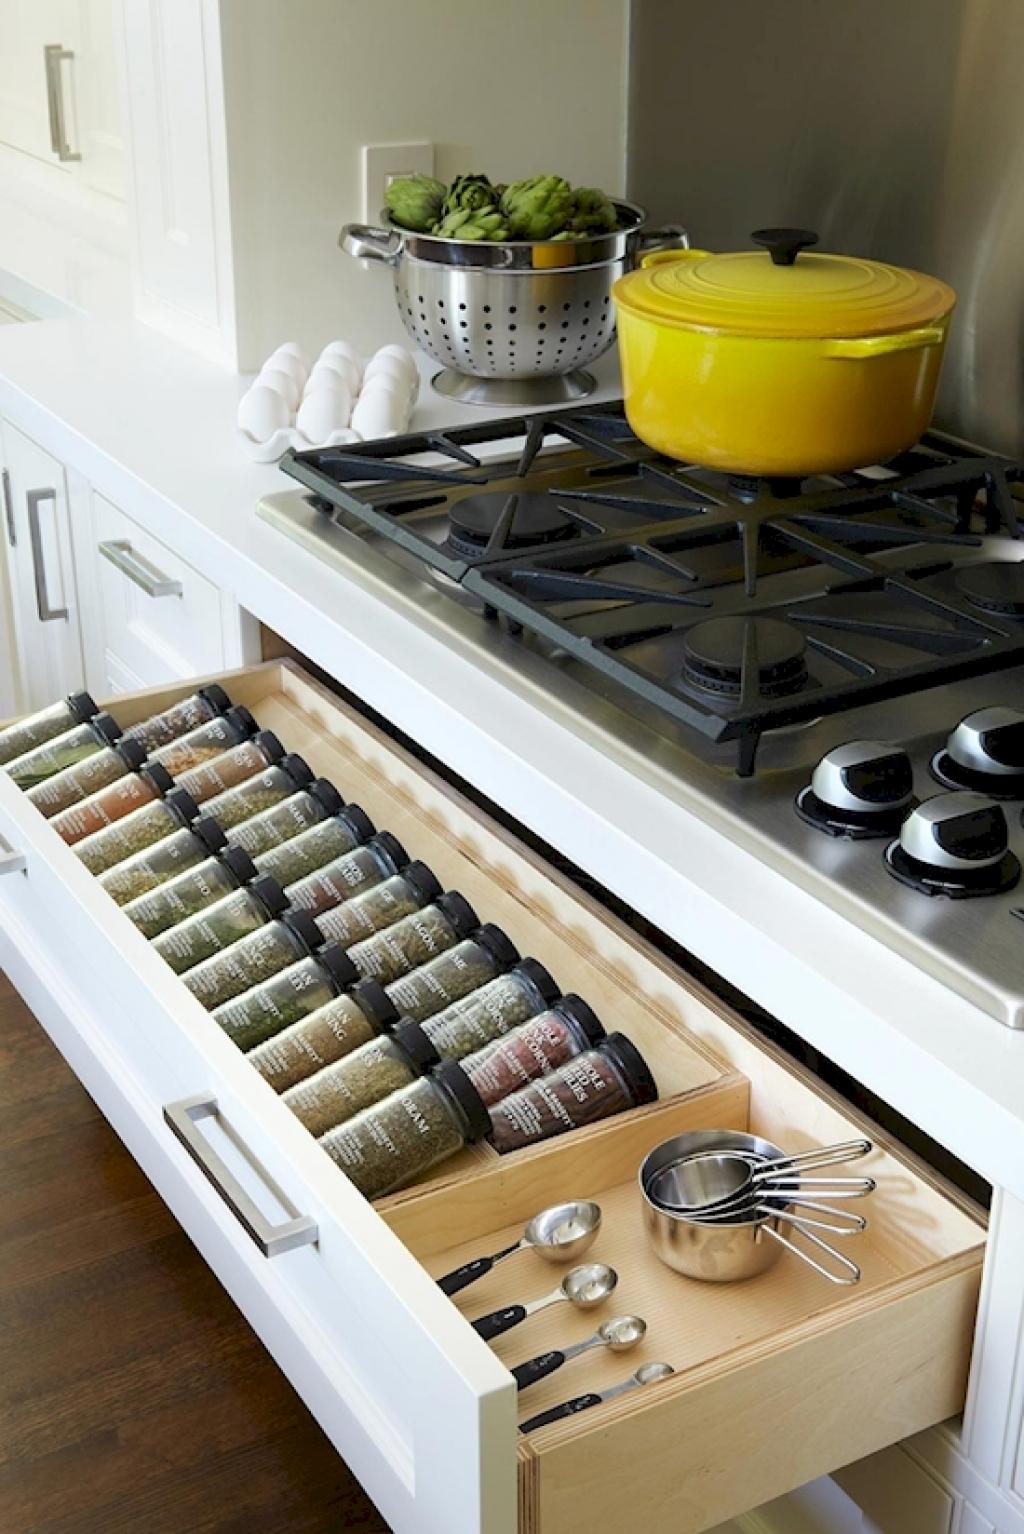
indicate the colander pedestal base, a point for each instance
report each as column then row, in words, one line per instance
column 515, row 393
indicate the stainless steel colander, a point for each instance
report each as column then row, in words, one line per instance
column 515, row 322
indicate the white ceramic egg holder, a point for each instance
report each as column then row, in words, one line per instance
column 337, row 401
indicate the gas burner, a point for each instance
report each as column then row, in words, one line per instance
column 751, row 488
column 511, row 520
column 994, row 587
column 955, row 845
column 731, row 656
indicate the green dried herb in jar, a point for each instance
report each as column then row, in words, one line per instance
column 36, row 729
column 206, row 742
column 189, row 892
column 255, row 958
column 278, row 824
column 384, row 904
column 329, row 1033
column 185, row 715
column 394, row 1142
column 491, row 1011
column 596, row 1085
column 75, row 784
column 536, row 1048
column 292, row 993
column 155, row 865
column 415, row 940
column 63, row 751
column 345, row 877
column 221, row 924
column 139, row 829
column 112, row 803
column 464, row 968
column 311, row 849
column 260, row 792
column 240, row 764
column 364, row 1077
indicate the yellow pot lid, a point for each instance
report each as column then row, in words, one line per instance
column 784, row 290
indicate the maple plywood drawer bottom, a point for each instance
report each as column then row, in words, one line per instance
column 777, row 1380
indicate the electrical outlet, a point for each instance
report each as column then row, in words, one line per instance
column 382, row 163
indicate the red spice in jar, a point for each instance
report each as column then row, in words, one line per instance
column 535, row 1048
column 605, row 1081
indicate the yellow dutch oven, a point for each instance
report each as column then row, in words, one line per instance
column 779, row 361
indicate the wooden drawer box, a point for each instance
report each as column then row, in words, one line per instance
column 778, row 1380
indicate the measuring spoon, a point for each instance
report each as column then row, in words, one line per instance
column 559, row 1234
column 619, row 1334
column 586, row 1286
column 647, row 1374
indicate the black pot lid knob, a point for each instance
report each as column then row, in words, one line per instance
column 784, row 245
column 863, row 776
column 956, row 831
column 990, row 740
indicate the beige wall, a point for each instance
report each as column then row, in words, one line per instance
column 510, row 87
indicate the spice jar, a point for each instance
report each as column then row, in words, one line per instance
column 255, row 958
column 63, row 751
column 114, row 802
column 221, row 924
column 415, row 940
column 292, row 993
column 536, row 1048
column 153, row 866
column 191, row 891
column 73, row 784
column 207, row 741
column 313, row 848
column 491, row 1011
column 35, row 729
column 258, row 793
column 386, row 903
column 180, row 718
column 139, row 829
column 394, row 1142
column 464, row 968
column 343, row 878
column 596, row 1085
column 237, row 765
column 282, row 821
column 364, row 1077
column 329, row 1033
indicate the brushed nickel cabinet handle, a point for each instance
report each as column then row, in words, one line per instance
column 119, row 552
column 11, row 862
column 54, row 56
column 301, row 1230
column 33, row 500
column 5, row 485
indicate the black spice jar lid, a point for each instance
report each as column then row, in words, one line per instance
column 500, row 947
column 415, row 1046
column 83, row 706
column 538, row 979
column 160, row 778
column 216, row 697
column 358, row 822
column 327, row 796
column 106, row 728
column 270, row 894
column 423, row 882
column 633, row 1066
column 132, row 753
column 454, row 1083
column 391, row 850
column 458, row 911
column 375, row 1003
column 211, row 834
column 236, row 860
column 184, row 806
column 305, row 929
column 297, row 769
column 579, row 1011
column 269, row 745
column 242, row 720
column 337, row 963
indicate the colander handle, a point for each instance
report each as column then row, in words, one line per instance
column 367, row 242
column 668, row 237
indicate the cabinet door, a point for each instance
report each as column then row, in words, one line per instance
column 41, row 579
column 27, row 28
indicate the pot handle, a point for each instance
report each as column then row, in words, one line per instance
column 853, row 348
column 668, row 237
column 368, row 243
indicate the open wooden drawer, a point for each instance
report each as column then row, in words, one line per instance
column 778, row 1380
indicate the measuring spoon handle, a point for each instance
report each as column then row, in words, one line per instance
column 563, row 1409
column 461, row 1278
column 537, row 1368
column 498, row 1321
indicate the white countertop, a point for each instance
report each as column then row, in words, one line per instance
column 152, row 427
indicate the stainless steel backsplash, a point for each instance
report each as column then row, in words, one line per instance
column 895, row 128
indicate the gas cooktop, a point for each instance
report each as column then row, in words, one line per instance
column 830, row 633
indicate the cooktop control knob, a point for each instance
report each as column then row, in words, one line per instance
column 955, row 844
column 864, row 788
column 985, row 752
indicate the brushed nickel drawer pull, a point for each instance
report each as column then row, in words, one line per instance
column 54, row 56
column 33, row 500
column 11, row 862
column 5, row 484
column 119, row 553
column 272, row 1240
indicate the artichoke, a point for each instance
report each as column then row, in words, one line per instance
column 485, row 223
column 538, row 207
column 415, row 201
column 470, row 193
column 592, row 211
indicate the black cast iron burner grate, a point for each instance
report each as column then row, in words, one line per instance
column 589, row 541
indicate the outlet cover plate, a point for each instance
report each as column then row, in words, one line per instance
column 382, row 163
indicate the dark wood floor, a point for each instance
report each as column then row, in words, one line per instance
column 133, row 1397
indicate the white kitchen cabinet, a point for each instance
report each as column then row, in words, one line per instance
column 47, row 659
